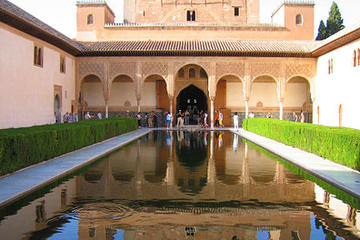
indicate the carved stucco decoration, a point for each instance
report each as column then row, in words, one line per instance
column 150, row 68
column 204, row 65
column 229, row 68
column 95, row 68
column 126, row 68
column 272, row 69
column 307, row 70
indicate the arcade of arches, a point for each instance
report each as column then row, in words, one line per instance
column 260, row 85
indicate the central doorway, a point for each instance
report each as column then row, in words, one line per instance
column 193, row 100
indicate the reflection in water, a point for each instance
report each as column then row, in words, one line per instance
column 185, row 185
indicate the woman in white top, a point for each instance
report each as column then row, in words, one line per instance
column 236, row 120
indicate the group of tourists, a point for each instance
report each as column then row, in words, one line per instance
column 183, row 118
column 89, row 116
column 298, row 118
column 67, row 118
column 151, row 119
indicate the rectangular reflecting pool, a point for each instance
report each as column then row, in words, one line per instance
column 185, row 185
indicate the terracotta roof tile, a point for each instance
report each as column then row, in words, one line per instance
column 199, row 48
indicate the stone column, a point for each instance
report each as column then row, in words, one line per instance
column 281, row 109
column 212, row 90
column 106, row 89
column 170, row 86
column 138, row 82
column 106, row 108
column 138, row 104
column 246, row 108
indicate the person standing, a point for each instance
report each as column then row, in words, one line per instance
column 302, row 116
column 216, row 118
column 99, row 115
column 187, row 117
column 178, row 119
column 150, row 121
column 295, row 118
column 236, row 120
column 138, row 118
column 154, row 119
column 168, row 120
column 221, row 118
column 205, row 119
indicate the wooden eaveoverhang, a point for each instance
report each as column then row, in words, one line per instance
column 338, row 40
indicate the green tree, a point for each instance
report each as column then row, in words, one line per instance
column 334, row 23
column 322, row 31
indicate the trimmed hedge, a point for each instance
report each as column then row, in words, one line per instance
column 341, row 145
column 22, row 147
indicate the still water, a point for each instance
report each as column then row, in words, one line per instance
column 183, row 185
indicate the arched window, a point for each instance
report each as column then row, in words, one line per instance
column 181, row 73
column 191, row 73
column 190, row 15
column 90, row 19
column 299, row 19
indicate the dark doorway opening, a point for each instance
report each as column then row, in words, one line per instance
column 192, row 99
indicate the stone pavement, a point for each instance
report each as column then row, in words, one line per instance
column 24, row 181
column 338, row 175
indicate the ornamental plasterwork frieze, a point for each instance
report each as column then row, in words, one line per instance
column 149, row 68
column 126, row 68
column 229, row 68
column 204, row 65
column 92, row 68
column 306, row 69
column 272, row 69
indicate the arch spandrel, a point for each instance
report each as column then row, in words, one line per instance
column 229, row 68
column 265, row 69
column 154, row 68
column 126, row 68
column 307, row 70
column 92, row 68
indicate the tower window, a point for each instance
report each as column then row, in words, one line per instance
column 190, row 16
column 299, row 19
column 90, row 19
column 62, row 64
column 181, row 73
column 38, row 56
column 236, row 11
column 191, row 73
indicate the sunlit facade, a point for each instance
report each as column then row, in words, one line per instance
column 176, row 55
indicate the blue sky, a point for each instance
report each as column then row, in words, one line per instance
column 61, row 14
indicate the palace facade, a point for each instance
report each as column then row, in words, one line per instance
column 170, row 55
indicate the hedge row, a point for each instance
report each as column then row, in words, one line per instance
column 341, row 145
column 22, row 147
